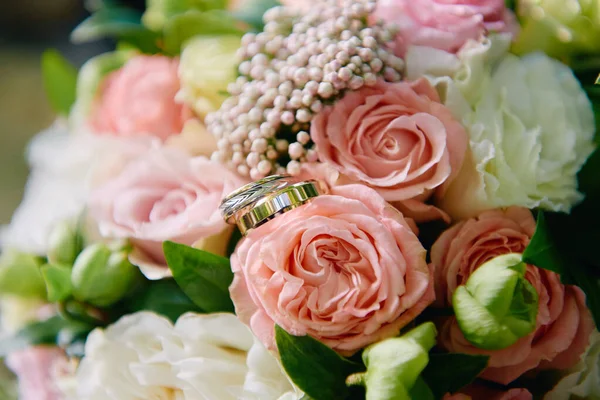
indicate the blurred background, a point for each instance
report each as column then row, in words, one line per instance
column 27, row 28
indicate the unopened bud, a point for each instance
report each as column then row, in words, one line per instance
column 394, row 365
column 102, row 277
column 497, row 306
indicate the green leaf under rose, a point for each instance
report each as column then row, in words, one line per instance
column 204, row 277
column 450, row 372
column 555, row 247
column 122, row 23
column 315, row 368
column 60, row 81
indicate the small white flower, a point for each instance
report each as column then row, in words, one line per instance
column 583, row 380
column 64, row 166
column 143, row 356
column 530, row 125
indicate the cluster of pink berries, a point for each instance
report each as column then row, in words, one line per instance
column 298, row 65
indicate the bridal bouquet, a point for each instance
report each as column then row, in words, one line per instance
column 320, row 199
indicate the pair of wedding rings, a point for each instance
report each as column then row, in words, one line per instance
column 258, row 202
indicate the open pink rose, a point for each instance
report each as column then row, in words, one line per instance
column 397, row 138
column 345, row 269
column 564, row 323
column 37, row 369
column 165, row 195
column 139, row 100
column 444, row 24
column 478, row 391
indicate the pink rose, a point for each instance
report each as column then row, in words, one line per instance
column 444, row 24
column 165, row 195
column 345, row 269
column 139, row 100
column 564, row 323
column 397, row 138
column 477, row 391
column 37, row 370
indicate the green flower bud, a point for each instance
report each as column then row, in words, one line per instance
column 158, row 12
column 65, row 243
column 559, row 28
column 102, row 276
column 394, row 365
column 497, row 306
column 20, row 275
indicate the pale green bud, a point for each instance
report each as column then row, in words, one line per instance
column 559, row 28
column 65, row 244
column 20, row 275
column 394, row 365
column 102, row 276
column 497, row 306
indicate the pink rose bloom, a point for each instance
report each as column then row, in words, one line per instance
column 444, row 24
column 36, row 368
column 139, row 100
column 396, row 138
column 165, row 195
column 477, row 391
column 345, row 269
column 564, row 323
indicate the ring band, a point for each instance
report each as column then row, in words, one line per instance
column 258, row 202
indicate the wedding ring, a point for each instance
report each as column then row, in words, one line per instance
column 258, row 202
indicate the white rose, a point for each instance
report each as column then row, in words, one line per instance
column 583, row 380
column 207, row 66
column 64, row 167
column 530, row 125
column 143, row 356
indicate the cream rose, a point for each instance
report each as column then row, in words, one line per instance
column 529, row 122
column 396, row 138
column 583, row 380
column 208, row 65
column 145, row 356
column 346, row 269
column 165, row 195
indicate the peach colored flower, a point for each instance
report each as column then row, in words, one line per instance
column 444, row 24
column 139, row 100
column 165, row 195
column 36, row 369
column 478, row 391
column 564, row 323
column 397, row 138
column 345, row 269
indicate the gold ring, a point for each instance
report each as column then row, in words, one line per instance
column 258, row 202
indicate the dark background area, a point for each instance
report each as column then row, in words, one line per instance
column 27, row 28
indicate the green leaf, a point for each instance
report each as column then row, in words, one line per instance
column 448, row 373
column 315, row 368
column 252, row 12
column 204, row 277
column 183, row 27
column 235, row 238
column 60, row 81
column 58, row 281
column 163, row 297
column 40, row 333
column 119, row 22
column 541, row 250
column 159, row 12
column 421, row 391
column 554, row 247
